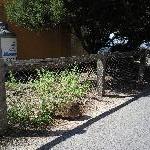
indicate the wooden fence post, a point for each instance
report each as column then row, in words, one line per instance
column 101, row 74
column 3, row 106
column 142, row 66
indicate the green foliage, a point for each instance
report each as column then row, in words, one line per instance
column 94, row 20
column 35, row 14
column 61, row 87
column 35, row 102
column 57, row 10
column 12, row 81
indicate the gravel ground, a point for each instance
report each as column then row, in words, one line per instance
column 105, row 126
column 31, row 140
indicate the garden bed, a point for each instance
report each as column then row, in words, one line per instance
column 36, row 103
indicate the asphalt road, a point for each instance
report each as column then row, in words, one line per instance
column 124, row 128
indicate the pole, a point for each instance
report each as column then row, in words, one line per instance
column 3, row 106
column 101, row 74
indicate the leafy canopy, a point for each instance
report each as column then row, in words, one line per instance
column 35, row 14
column 92, row 21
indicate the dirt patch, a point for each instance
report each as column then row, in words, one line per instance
column 93, row 106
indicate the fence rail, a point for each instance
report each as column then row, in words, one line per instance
column 51, row 62
column 62, row 61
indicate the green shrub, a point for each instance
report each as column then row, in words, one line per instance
column 35, row 102
column 60, row 87
column 35, row 14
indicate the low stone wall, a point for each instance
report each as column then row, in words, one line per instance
column 52, row 63
column 3, row 106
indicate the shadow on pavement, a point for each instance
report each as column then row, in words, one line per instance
column 17, row 133
column 82, row 128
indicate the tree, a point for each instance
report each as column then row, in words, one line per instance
column 35, row 15
column 93, row 21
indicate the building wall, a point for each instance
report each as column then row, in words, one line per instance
column 52, row 43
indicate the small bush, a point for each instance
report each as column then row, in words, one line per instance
column 37, row 101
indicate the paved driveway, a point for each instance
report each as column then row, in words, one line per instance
column 124, row 128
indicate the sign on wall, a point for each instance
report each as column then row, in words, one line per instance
column 9, row 48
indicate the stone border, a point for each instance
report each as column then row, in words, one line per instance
column 54, row 63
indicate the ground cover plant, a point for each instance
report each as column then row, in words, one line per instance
column 36, row 102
